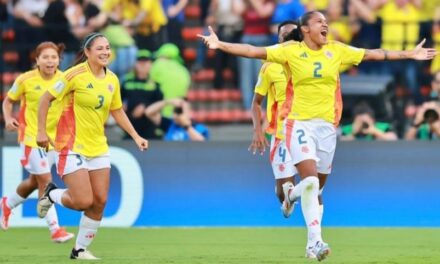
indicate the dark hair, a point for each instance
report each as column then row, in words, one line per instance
column 363, row 108
column 302, row 21
column 289, row 36
column 86, row 44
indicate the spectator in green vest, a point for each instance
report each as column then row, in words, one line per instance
column 171, row 74
column 365, row 127
column 426, row 124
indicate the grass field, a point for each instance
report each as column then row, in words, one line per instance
column 227, row 245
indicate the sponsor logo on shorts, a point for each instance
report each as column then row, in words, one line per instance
column 43, row 164
column 305, row 149
column 281, row 167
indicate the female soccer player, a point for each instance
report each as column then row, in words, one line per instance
column 28, row 88
column 313, row 104
column 92, row 92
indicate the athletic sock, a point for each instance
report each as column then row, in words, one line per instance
column 56, row 196
column 13, row 200
column 52, row 219
column 87, row 231
column 310, row 208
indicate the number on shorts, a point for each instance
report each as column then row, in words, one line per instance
column 318, row 67
column 301, row 133
column 101, row 101
column 78, row 157
column 282, row 153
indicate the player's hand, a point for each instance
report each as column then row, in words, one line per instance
column 43, row 141
column 211, row 41
column 259, row 143
column 11, row 124
column 141, row 142
column 420, row 53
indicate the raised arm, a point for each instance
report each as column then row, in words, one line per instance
column 243, row 50
column 418, row 53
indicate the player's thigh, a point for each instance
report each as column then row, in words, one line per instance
column 34, row 160
column 326, row 147
column 79, row 185
column 70, row 162
column 99, row 170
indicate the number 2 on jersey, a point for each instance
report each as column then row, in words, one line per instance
column 101, row 101
column 318, row 67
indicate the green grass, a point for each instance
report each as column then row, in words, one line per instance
column 228, row 245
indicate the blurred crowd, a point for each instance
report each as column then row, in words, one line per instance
column 155, row 27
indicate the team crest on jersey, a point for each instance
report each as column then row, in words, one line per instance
column 110, row 88
column 14, row 88
column 329, row 54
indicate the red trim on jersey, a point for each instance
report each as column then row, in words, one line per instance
column 66, row 134
column 22, row 121
column 287, row 105
column 273, row 150
column 272, row 127
column 62, row 160
column 289, row 128
column 27, row 152
column 338, row 103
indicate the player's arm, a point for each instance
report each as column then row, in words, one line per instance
column 259, row 141
column 418, row 53
column 11, row 123
column 43, row 139
column 123, row 122
column 243, row 50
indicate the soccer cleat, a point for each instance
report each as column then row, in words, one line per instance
column 5, row 212
column 321, row 250
column 288, row 205
column 82, row 254
column 61, row 235
column 309, row 253
column 44, row 203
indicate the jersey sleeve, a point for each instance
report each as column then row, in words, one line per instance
column 276, row 54
column 350, row 55
column 263, row 82
column 107, row 5
column 17, row 89
column 60, row 88
column 116, row 99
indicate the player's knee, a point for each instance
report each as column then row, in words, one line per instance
column 84, row 202
column 100, row 201
column 311, row 183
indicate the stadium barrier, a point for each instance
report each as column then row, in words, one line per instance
column 222, row 184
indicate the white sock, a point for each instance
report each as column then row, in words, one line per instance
column 52, row 219
column 310, row 208
column 87, row 231
column 14, row 199
column 57, row 195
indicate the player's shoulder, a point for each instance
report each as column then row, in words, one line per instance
column 112, row 76
column 75, row 71
column 26, row 76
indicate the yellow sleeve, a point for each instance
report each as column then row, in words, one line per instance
column 146, row 5
column 350, row 55
column 263, row 84
column 116, row 99
column 108, row 5
column 60, row 88
column 17, row 89
column 276, row 54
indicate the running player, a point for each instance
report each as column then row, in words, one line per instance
column 28, row 88
column 313, row 104
column 272, row 83
column 92, row 93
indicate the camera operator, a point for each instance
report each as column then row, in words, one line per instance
column 426, row 124
column 179, row 127
column 365, row 127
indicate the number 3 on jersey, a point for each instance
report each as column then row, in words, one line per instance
column 101, row 101
column 318, row 67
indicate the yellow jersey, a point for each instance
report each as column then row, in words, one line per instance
column 399, row 26
column 89, row 101
column 28, row 88
column 435, row 64
column 272, row 83
column 313, row 76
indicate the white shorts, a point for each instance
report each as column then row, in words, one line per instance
column 72, row 161
column 36, row 160
column 280, row 159
column 311, row 139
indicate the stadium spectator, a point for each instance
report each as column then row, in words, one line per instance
column 139, row 91
column 435, row 65
column 315, row 109
column 58, row 30
column 365, row 126
column 174, row 10
column 28, row 27
column 168, row 71
column 340, row 28
column 82, row 18
column 256, row 17
column 284, row 10
column 28, row 88
column 320, row 5
column 92, row 93
column 179, row 127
